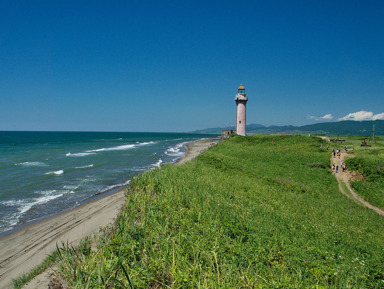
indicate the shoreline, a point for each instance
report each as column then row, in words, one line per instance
column 194, row 148
column 28, row 246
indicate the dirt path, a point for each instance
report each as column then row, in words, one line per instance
column 345, row 177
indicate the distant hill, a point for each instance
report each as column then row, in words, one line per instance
column 347, row 127
column 250, row 127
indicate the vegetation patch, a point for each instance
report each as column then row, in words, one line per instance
column 370, row 163
column 24, row 279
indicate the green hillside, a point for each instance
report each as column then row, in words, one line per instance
column 248, row 213
column 328, row 128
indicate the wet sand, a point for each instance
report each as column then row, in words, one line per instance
column 27, row 247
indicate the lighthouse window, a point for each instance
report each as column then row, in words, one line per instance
column 239, row 121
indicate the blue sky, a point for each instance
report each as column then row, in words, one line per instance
column 176, row 65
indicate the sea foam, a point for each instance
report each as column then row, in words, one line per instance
column 56, row 173
column 114, row 186
column 157, row 164
column 116, row 148
column 122, row 147
column 176, row 150
column 32, row 164
column 79, row 154
column 85, row 167
column 25, row 205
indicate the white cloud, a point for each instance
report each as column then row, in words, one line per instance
column 325, row 117
column 362, row 115
column 378, row 116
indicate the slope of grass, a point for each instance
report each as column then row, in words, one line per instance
column 369, row 161
column 247, row 213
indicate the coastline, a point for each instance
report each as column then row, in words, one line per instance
column 28, row 246
column 194, row 148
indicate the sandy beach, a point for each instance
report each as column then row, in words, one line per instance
column 193, row 149
column 27, row 247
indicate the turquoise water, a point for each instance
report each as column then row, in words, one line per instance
column 44, row 173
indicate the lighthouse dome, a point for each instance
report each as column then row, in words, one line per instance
column 241, row 87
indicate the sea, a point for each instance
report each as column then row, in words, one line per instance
column 45, row 173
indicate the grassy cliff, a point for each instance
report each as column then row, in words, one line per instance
column 248, row 213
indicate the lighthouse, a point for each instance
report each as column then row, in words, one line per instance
column 241, row 102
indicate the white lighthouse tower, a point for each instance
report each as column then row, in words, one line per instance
column 241, row 102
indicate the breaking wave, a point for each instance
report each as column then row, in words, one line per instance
column 32, row 164
column 85, row 167
column 157, row 164
column 176, row 150
column 106, row 189
column 25, row 205
column 79, row 154
column 117, row 148
column 56, row 173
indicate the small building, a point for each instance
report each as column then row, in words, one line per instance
column 226, row 133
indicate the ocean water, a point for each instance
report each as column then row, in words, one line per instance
column 45, row 173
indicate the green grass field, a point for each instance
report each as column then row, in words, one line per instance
column 247, row 213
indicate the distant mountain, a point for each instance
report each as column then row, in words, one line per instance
column 218, row 130
column 347, row 127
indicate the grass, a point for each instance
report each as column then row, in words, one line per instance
column 369, row 161
column 247, row 213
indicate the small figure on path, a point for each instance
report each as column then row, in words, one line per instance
column 337, row 169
